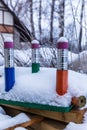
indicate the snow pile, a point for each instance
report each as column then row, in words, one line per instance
column 22, row 58
column 35, row 42
column 47, row 55
column 62, row 39
column 72, row 57
column 1, row 60
column 40, row 87
column 20, row 128
column 2, row 111
column 35, row 87
column 7, row 121
column 73, row 126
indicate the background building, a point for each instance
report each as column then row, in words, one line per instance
column 10, row 25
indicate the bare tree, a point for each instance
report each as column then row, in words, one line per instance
column 14, row 6
column 31, row 18
column 51, row 21
column 17, row 7
column 40, row 31
column 61, row 17
column 81, row 20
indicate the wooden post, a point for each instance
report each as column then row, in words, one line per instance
column 62, row 66
column 35, row 56
column 9, row 64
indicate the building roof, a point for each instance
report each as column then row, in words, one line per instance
column 19, row 25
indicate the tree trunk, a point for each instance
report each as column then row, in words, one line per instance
column 80, row 33
column 51, row 21
column 40, row 2
column 61, row 17
column 31, row 19
column 14, row 6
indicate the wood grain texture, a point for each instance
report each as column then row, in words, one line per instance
column 52, row 125
column 28, row 123
column 72, row 116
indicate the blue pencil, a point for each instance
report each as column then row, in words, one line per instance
column 9, row 64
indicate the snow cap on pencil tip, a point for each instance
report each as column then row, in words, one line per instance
column 8, row 42
column 35, row 44
column 62, row 43
column 62, row 39
column 8, row 39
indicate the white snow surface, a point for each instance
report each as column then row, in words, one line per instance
column 12, row 121
column 8, row 39
column 1, row 60
column 74, row 126
column 7, row 121
column 41, row 88
column 20, row 128
column 35, row 41
column 2, row 111
column 62, row 39
column 35, row 87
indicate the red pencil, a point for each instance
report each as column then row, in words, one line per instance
column 62, row 66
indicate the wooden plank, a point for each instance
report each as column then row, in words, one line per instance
column 74, row 115
column 46, row 124
column 12, row 112
column 52, row 125
column 6, row 29
column 28, row 123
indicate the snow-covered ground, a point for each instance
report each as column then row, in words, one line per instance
column 74, row 126
column 41, row 87
column 20, row 128
column 7, row 121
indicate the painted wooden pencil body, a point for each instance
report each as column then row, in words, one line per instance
column 35, row 56
column 62, row 66
column 9, row 64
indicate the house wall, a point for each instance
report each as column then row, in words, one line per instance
column 6, row 18
column 1, row 4
column 7, row 25
column 7, row 28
